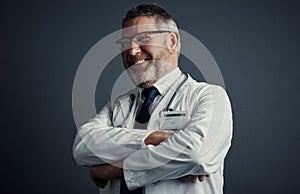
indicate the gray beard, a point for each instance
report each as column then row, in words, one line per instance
column 138, row 75
column 152, row 72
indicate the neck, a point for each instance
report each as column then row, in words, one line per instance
column 147, row 84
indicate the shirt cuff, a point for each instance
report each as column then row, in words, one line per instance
column 132, row 177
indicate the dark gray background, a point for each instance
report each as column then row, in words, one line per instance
column 255, row 43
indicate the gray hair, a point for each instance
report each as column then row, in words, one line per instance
column 162, row 17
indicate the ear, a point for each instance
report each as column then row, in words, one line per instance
column 173, row 42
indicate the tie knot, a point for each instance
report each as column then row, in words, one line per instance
column 150, row 93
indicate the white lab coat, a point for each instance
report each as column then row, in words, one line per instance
column 198, row 149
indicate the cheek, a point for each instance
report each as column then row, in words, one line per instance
column 154, row 50
column 159, row 51
column 148, row 50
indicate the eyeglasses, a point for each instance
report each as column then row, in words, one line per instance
column 140, row 39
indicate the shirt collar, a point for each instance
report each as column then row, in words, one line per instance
column 165, row 83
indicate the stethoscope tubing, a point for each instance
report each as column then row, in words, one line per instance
column 175, row 93
column 133, row 98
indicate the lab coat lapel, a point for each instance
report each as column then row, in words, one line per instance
column 124, row 110
column 154, row 119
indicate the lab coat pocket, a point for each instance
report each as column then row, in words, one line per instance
column 173, row 120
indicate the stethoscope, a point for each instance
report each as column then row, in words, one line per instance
column 167, row 109
column 175, row 93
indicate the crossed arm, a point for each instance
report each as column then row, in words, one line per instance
column 199, row 149
column 100, row 174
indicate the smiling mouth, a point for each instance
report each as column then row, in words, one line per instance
column 138, row 59
column 140, row 62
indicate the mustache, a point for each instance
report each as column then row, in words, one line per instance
column 133, row 59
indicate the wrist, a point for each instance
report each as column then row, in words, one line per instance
column 157, row 137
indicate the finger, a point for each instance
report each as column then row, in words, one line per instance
column 193, row 178
column 97, row 181
column 201, row 178
column 92, row 175
column 101, row 182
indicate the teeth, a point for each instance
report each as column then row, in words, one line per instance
column 140, row 61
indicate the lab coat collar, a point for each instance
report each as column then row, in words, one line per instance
column 165, row 83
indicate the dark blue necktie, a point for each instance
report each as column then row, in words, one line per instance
column 148, row 94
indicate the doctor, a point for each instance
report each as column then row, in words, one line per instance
column 169, row 133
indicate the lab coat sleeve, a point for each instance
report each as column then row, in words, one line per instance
column 198, row 149
column 98, row 142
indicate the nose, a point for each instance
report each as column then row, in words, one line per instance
column 134, row 48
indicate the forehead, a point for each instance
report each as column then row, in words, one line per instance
column 139, row 24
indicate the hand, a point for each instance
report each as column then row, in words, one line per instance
column 98, row 181
column 102, row 173
column 193, row 178
column 156, row 137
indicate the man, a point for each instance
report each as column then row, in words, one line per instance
column 136, row 145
